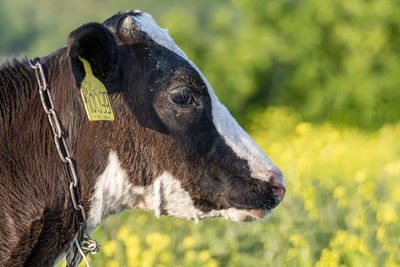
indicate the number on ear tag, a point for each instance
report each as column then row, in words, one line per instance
column 95, row 96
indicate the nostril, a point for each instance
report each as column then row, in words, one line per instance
column 279, row 192
column 278, row 185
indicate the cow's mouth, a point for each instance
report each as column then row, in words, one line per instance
column 245, row 215
column 247, row 212
column 259, row 213
column 252, row 198
column 256, row 214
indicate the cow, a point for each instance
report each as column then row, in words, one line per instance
column 172, row 147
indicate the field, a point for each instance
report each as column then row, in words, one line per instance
column 341, row 208
column 336, row 64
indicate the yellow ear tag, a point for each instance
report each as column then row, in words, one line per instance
column 95, row 96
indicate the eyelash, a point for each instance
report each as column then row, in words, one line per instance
column 183, row 98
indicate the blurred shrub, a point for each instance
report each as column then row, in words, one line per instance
column 341, row 208
column 328, row 60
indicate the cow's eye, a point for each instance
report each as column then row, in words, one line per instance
column 182, row 97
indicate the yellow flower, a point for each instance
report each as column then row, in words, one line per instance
column 395, row 193
column 112, row 263
column 360, row 246
column 361, row 175
column 189, row 242
column 204, row 255
column 393, row 168
column 386, row 214
column 340, row 239
column 133, row 249
column 109, row 248
column 297, row 240
column 329, row 258
column 123, row 233
column 381, row 234
column 303, row 128
column 339, row 192
column 211, row 263
column 148, row 258
column 158, row 242
column 292, row 253
column 309, row 205
column 358, row 223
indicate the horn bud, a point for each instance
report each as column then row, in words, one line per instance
column 128, row 24
column 126, row 29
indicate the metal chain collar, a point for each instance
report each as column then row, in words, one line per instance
column 82, row 243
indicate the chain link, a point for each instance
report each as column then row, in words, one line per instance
column 83, row 243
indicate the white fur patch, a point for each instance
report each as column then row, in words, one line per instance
column 175, row 201
column 157, row 198
column 111, row 194
column 234, row 136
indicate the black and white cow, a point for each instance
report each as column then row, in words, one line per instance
column 173, row 147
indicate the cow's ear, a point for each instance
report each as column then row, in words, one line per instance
column 96, row 44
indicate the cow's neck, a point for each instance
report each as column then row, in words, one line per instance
column 43, row 219
column 17, row 84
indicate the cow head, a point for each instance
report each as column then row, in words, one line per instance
column 173, row 148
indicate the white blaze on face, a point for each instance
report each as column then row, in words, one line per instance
column 234, row 136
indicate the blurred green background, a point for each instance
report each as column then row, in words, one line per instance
column 315, row 83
